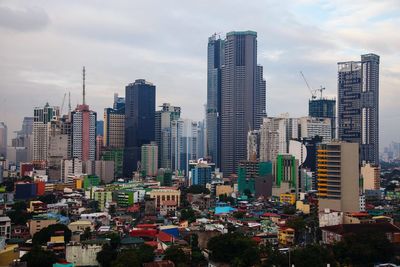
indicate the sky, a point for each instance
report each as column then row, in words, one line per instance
column 44, row 44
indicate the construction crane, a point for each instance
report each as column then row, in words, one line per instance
column 62, row 104
column 313, row 91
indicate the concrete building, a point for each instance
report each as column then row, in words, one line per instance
column 215, row 60
column 149, row 162
column 5, row 227
column 3, row 140
column 201, row 174
column 58, row 148
column 163, row 119
column 71, row 167
column 311, row 127
column 117, row 156
column 39, row 222
column 140, row 107
column 165, row 194
column 371, row 177
column 83, row 254
column 338, row 176
column 358, row 108
column 285, row 170
column 42, row 116
column 242, row 97
column 114, row 127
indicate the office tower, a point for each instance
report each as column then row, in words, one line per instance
column 117, row 156
column 260, row 98
column 57, row 150
column 71, row 167
column 183, row 144
column 241, row 97
column 358, row 97
column 3, row 140
column 324, row 108
column 149, row 163
column 140, row 101
column 285, row 172
column 338, row 176
column 119, row 102
column 100, row 128
column 163, row 119
column 22, row 145
column 42, row 117
column 215, row 60
column 201, row 173
column 99, row 146
column 311, row 127
column 114, row 128
column 83, row 121
column 202, row 139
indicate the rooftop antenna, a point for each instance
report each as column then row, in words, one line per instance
column 84, row 92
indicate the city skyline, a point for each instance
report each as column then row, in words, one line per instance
column 117, row 52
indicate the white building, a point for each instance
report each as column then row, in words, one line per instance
column 311, row 127
column 329, row 217
column 71, row 167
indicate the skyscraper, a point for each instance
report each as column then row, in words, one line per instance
column 42, row 117
column 140, row 106
column 149, row 161
column 324, row 108
column 83, row 122
column 242, row 97
column 114, row 128
column 215, row 60
column 358, row 97
column 3, row 140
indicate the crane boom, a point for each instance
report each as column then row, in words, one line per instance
column 313, row 96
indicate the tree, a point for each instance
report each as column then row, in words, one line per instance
column 290, row 210
column 39, row 257
column 112, row 210
column 239, row 214
column 188, row 214
column 48, row 198
column 115, row 239
column 197, row 189
column 87, row 234
column 298, row 224
column 363, row 249
column 19, row 217
column 235, row 249
column 312, row 255
column 248, row 193
column 44, row 235
column 134, row 257
column 226, row 198
column 177, row 255
column 106, row 255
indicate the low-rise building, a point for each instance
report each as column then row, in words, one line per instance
column 286, row 236
column 288, row 198
column 5, row 227
column 39, row 222
column 162, row 194
column 84, row 254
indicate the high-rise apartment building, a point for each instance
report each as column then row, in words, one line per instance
column 215, row 60
column 163, row 119
column 242, row 97
column 114, row 128
column 311, row 127
column 371, row 177
column 358, row 108
column 140, row 103
column 3, row 140
column 149, row 163
column 42, row 117
column 338, row 176
column 324, row 108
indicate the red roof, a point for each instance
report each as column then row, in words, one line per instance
column 147, row 226
column 164, row 237
column 359, row 214
column 152, row 243
column 268, row 214
column 143, row 233
column 169, row 203
column 257, row 239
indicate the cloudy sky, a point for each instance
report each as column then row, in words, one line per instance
column 44, row 44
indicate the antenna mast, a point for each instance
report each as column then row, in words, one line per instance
column 84, row 91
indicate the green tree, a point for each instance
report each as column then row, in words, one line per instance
column 44, row 235
column 313, row 255
column 363, row 249
column 197, row 189
column 134, row 257
column 48, row 198
column 112, row 210
column 298, row 224
column 115, row 239
column 106, row 256
column 87, row 234
column 290, row 210
column 188, row 214
column 235, row 249
column 177, row 255
column 39, row 257
column 239, row 214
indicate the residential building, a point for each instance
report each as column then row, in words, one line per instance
column 215, row 60
column 242, row 97
column 5, row 227
column 39, row 222
column 311, row 127
column 201, row 173
column 371, row 177
column 3, row 140
column 84, row 133
column 114, row 127
column 140, row 100
column 71, row 167
column 285, row 174
column 165, row 194
column 358, row 108
column 338, row 176
column 117, row 156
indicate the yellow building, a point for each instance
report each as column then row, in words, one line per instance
column 303, row 207
column 289, row 198
column 8, row 254
column 286, row 236
column 80, row 225
column 37, row 223
column 165, row 194
column 223, row 190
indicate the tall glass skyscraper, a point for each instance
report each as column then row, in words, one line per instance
column 358, row 108
column 140, row 107
column 242, row 97
column 215, row 60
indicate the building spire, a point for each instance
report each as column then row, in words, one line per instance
column 83, row 84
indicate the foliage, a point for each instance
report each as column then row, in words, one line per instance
column 20, row 217
column 93, row 205
column 248, row 193
column 115, row 239
column 19, row 206
column 312, row 255
column 134, row 257
column 39, row 257
column 112, row 210
column 44, row 235
column 48, row 198
column 188, row 214
column 289, row 210
column 226, row 198
column 87, row 234
column 177, row 255
column 197, row 189
column 298, row 224
column 363, row 249
column 239, row 214
column 106, row 256
column 235, row 249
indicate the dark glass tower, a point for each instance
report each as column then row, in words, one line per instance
column 324, row 108
column 215, row 60
column 140, row 106
column 242, row 97
column 358, row 108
